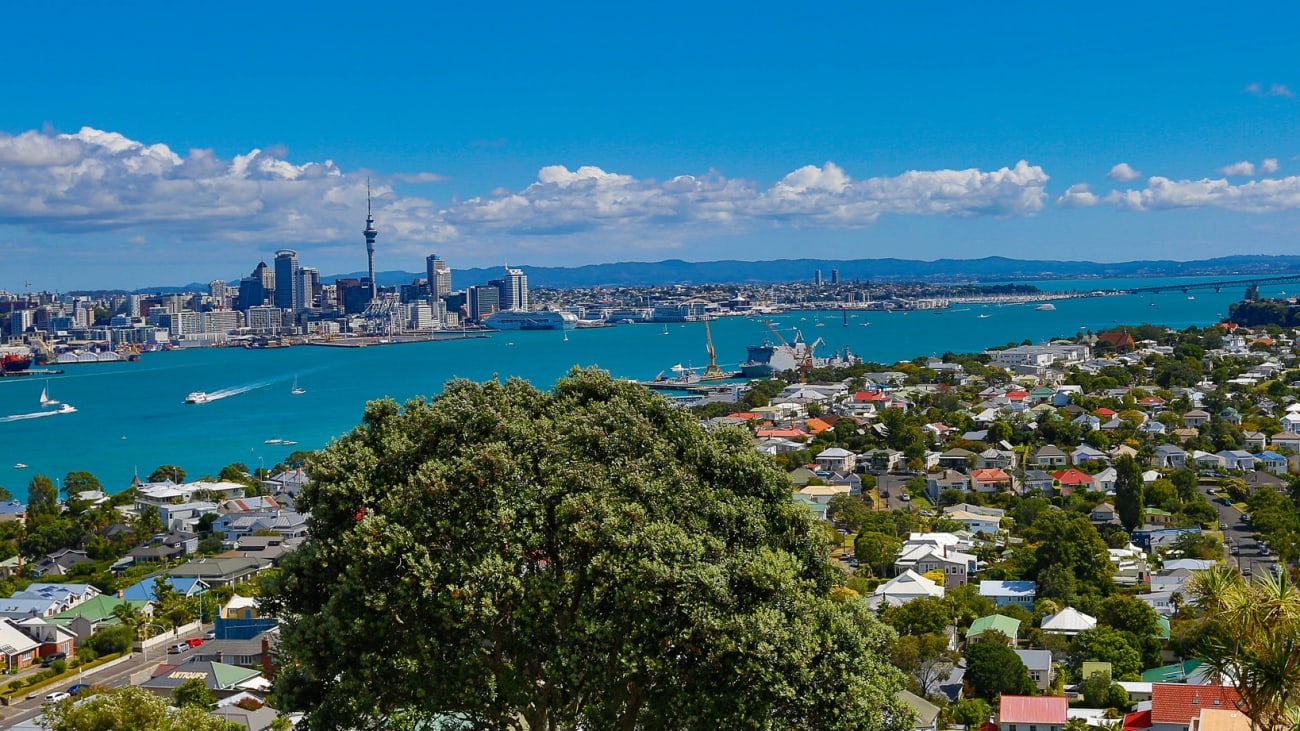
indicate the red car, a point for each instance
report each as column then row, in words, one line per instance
column 194, row 641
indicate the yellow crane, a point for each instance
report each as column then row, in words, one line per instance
column 713, row 369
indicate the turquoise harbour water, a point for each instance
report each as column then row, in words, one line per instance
column 131, row 417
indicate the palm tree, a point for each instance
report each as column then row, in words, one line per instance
column 1257, row 646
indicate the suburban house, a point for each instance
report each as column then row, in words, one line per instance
column 1085, row 453
column 836, row 459
column 1033, row 713
column 220, row 571
column 927, row 713
column 1288, row 440
column 1237, row 459
column 1196, row 418
column 1068, row 622
column 1038, row 480
column 1039, row 665
column 1073, row 479
column 1174, row 705
column 936, row 483
column 17, row 650
column 1169, row 456
column 1048, row 456
column 1007, row 626
column 957, row 459
column 1271, row 461
column 1010, row 592
column 974, row 522
column 991, row 480
column 923, row 557
column 904, row 588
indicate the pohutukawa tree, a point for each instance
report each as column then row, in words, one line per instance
column 587, row 557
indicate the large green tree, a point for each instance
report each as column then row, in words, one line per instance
column 130, row 709
column 1129, row 501
column 993, row 668
column 583, row 558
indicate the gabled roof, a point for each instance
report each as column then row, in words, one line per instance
column 1179, row 703
column 1033, row 709
column 1008, row 626
column 1073, row 476
column 1068, row 620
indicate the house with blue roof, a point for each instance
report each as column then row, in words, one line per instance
column 13, row 510
column 143, row 591
column 1010, row 592
column 1271, row 461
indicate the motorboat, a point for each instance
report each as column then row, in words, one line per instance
column 197, row 397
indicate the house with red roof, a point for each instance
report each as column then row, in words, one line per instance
column 1032, row 713
column 1073, row 479
column 990, row 480
column 1105, row 413
column 782, row 433
column 1174, row 705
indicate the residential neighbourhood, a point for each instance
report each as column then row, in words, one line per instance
column 165, row 583
column 1058, row 501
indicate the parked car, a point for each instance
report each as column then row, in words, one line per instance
column 194, row 641
column 905, row 498
column 210, row 634
column 57, row 696
column 49, row 659
column 178, row 647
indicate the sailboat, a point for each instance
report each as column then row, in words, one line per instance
column 297, row 390
column 566, row 336
column 665, row 329
column 45, row 397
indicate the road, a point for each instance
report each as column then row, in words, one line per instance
column 894, row 485
column 115, row 677
column 1239, row 534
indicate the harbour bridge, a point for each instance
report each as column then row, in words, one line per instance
column 1217, row 285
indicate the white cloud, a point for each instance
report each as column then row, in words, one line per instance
column 1257, row 196
column 1257, row 89
column 423, row 177
column 1268, row 166
column 97, row 180
column 1243, row 168
column 1078, row 196
column 564, row 201
column 1124, row 172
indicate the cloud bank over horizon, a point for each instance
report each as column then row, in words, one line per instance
column 95, row 180
column 72, row 186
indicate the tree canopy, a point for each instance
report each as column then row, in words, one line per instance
column 587, row 557
column 130, row 709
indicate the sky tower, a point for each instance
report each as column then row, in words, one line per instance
column 370, row 233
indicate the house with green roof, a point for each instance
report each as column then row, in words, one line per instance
column 86, row 618
column 1008, row 626
column 222, row 679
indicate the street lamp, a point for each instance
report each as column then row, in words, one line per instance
column 144, row 646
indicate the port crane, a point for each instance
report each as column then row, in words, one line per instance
column 803, row 356
column 712, row 369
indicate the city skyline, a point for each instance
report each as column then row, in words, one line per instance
column 531, row 137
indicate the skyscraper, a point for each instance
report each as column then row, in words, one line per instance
column 288, row 282
column 514, row 290
column 835, row 276
column 370, row 234
column 438, row 276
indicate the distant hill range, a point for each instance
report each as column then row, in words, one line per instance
column 988, row 269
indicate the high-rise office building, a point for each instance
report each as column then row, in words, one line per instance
column 438, row 276
column 835, row 276
column 288, row 280
column 817, row 277
column 514, row 290
column 309, row 279
column 483, row 301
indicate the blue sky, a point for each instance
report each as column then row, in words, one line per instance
column 160, row 143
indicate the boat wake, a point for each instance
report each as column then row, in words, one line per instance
column 228, row 392
column 65, row 409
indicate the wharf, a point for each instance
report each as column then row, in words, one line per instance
column 366, row 342
column 33, row 372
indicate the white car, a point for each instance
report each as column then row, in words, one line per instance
column 56, row 697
